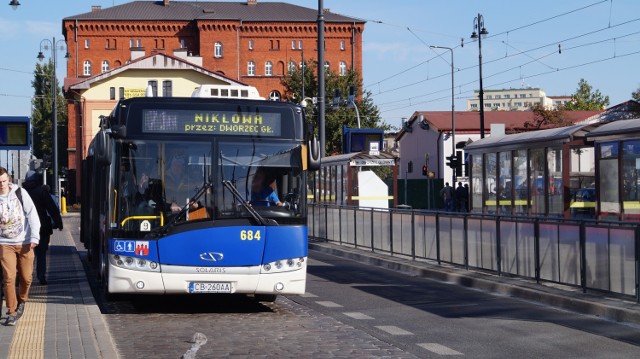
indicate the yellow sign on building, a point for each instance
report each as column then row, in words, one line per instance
column 129, row 93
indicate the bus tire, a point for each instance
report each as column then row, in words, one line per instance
column 267, row 298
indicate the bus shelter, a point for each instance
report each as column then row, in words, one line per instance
column 617, row 148
column 356, row 179
column 532, row 173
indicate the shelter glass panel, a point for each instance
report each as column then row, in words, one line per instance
column 536, row 183
column 491, row 185
column 609, row 180
column 521, row 192
column 582, row 183
column 505, row 183
column 554, row 181
column 476, row 183
column 630, row 179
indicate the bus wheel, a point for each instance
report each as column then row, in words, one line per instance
column 269, row 298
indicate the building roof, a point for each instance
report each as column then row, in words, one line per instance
column 469, row 121
column 145, row 63
column 211, row 10
column 621, row 127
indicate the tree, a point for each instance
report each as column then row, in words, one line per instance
column 334, row 118
column 586, row 100
column 42, row 110
column 636, row 94
column 546, row 118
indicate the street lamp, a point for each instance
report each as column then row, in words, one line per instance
column 453, row 111
column 14, row 4
column 479, row 31
column 46, row 44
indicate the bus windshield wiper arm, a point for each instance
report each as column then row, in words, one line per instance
column 249, row 208
column 163, row 230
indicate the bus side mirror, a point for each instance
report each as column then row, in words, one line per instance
column 314, row 155
column 102, row 148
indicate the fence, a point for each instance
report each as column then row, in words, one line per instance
column 601, row 256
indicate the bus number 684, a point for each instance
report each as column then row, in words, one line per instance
column 249, row 235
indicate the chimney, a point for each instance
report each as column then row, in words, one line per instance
column 96, row 8
column 166, row 2
column 252, row 2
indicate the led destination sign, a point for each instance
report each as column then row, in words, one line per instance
column 211, row 122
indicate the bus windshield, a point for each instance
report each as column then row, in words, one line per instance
column 157, row 182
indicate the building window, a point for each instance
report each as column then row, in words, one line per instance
column 112, row 93
column 275, row 44
column 522, row 95
column 299, row 44
column 326, row 66
column 182, row 44
column 217, row 50
column 167, row 90
column 274, row 95
column 342, row 47
column 86, row 43
column 105, row 65
column 489, row 97
column 474, row 105
column 293, row 44
column 291, row 67
column 121, row 92
column 154, row 87
column 251, row 68
column 107, row 44
column 268, row 68
column 343, row 68
column 507, row 96
column 498, row 97
column 131, row 43
column 488, row 105
column 250, row 44
column 87, row 68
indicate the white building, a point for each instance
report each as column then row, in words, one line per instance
column 515, row 100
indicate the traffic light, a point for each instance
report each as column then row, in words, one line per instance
column 458, row 164
column 451, row 161
column 424, row 170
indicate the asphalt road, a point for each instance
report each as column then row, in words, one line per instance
column 429, row 319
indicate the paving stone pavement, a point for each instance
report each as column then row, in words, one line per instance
column 62, row 319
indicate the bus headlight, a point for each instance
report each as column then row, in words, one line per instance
column 133, row 263
column 283, row 265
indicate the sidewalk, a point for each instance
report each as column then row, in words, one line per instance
column 559, row 296
column 62, row 319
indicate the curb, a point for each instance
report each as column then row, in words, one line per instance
column 567, row 298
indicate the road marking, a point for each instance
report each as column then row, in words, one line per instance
column 357, row 315
column 308, row 295
column 393, row 330
column 439, row 349
column 329, row 304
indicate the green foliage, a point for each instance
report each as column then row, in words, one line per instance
column 586, row 100
column 334, row 118
column 636, row 94
column 42, row 114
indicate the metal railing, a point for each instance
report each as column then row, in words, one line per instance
column 595, row 255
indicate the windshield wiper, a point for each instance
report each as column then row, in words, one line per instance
column 249, row 208
column 164, row 229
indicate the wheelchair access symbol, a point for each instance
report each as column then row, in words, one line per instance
column 124, row 246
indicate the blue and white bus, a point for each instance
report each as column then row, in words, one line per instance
column 168, row 201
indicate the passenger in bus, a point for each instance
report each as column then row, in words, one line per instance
column 263, row 191
column 176, row 186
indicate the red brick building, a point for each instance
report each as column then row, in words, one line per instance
column 246, row 41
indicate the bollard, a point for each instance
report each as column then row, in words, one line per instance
column 63, row 205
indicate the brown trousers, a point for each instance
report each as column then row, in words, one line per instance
column 16, row 258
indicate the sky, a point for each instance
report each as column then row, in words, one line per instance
column 546, row 44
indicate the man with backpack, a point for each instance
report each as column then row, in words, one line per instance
column 19, row 234
column 48, row 212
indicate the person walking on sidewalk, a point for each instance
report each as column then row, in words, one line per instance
column 49, row 216
column 19, row 234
